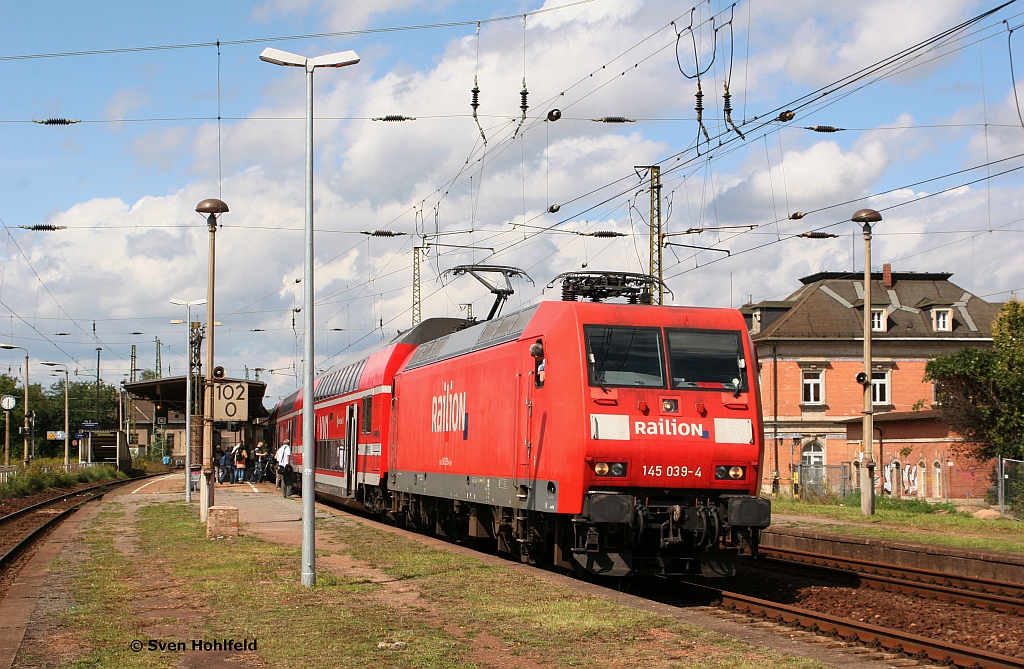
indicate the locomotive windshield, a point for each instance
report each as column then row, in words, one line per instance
column 622, row 356
column 706, row 359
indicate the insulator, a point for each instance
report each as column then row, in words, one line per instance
column 700, row 103
column 554, row 114
column 382, row 233
column 615, row 119
column 568, row 294
column 605, row 234
column 476, row 95
column 631, row 298
column 817, row 235
column 786, row 116
column 727, row 102
column 390, row 118
column 523, row 94
column 824, row 128
column 43, row 227
column 56, row 121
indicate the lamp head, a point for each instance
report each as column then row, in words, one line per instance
column 866, row 216
column 9, row 347
column 212, row 206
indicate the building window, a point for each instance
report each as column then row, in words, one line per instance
column 879, row 387
column 942, row 320
column 812, row 453
column 812, row 387
column 878, row 320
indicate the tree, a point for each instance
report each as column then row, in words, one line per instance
column 48, row 405
column 981, row 393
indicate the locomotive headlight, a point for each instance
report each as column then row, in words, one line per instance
column 610, row 468
column 670, row 406
column 725, row 472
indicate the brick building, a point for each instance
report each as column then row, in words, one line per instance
column 811, row 344
column 918, row 455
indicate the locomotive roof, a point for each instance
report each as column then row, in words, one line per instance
column 482, row 335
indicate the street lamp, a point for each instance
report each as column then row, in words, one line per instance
column 11, row 347
column 341, row 59
column 867, row 473
column 188, row 392
column 67, row 461
column 211, row 207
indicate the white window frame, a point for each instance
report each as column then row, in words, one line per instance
column 812, row 384
column 812, row 453
column 882, row 318
column 946, row 315
column 877, row 383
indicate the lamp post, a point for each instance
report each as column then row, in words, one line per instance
column 211, row 208
column 341, row 59
column 867, row 470
column 67, row 461
column 188, row 392
column 11, row 347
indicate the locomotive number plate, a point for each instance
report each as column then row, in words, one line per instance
column 671, row 470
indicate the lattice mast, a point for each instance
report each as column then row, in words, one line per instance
column 657, row 238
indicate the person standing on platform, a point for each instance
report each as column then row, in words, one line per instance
column 284, row 468
column 240, row 457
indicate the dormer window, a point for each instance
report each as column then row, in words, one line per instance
column 878, row 320
column 942, row 320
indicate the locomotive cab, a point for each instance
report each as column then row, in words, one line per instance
column 674, row 454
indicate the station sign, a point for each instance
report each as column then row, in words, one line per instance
column 230, row 401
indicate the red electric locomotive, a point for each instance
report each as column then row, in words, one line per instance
column 617, row 439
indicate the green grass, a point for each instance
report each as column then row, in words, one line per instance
column 34, row 479
column 909, row 520
column 465, row 609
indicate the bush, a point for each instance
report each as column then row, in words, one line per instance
column 35, row 479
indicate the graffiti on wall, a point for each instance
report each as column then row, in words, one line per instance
column 910, row 480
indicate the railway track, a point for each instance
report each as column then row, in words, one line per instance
column 53, row 517
column 897, row 642
column 967, row 590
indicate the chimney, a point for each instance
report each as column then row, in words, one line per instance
column 887, row 275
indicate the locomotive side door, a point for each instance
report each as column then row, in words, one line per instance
column 530, row 381
column 351, row 447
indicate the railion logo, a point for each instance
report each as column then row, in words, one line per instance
column 448, row 411
column 671, row 427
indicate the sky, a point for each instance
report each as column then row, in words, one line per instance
column 931, row 139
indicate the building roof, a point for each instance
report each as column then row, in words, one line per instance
column 171, row 391
column 830, row 305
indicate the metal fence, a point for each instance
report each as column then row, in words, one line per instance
column 7, row 473
column 824, row 481
column 1011, row 485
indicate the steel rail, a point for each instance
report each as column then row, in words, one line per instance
column 913, row 575
column 11, row 553
column 894, row 641
column 35, row 507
